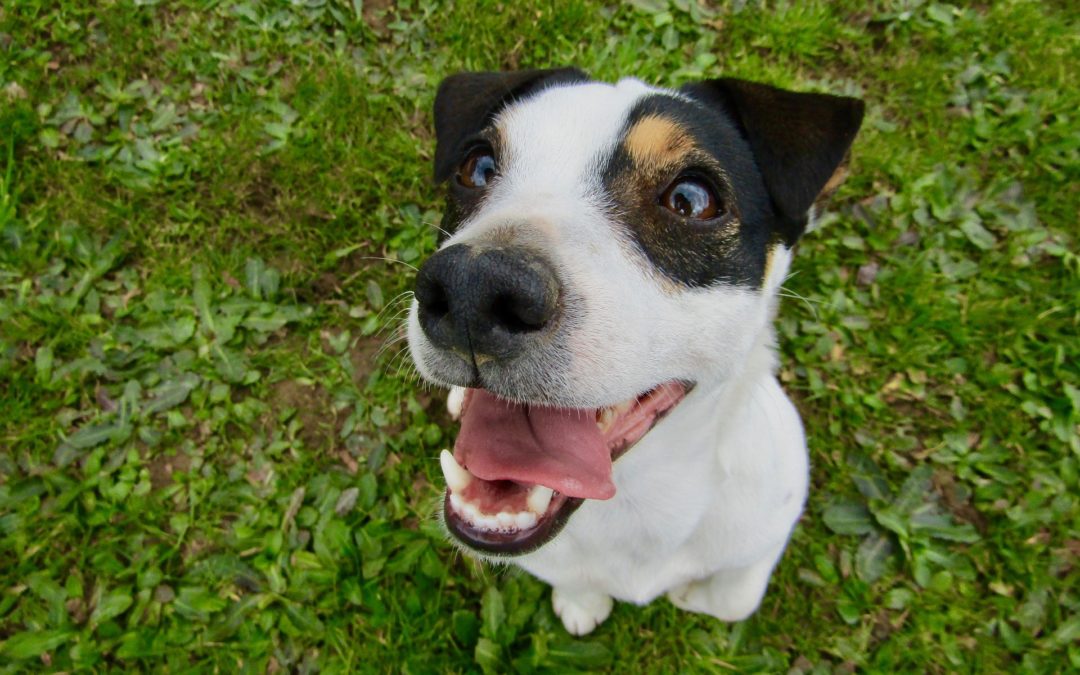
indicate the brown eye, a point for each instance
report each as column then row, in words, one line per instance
column 478, row 168
column 692, row 198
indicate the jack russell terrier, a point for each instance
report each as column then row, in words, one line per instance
column 601, row 306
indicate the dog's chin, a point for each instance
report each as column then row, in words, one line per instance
column 519, row 471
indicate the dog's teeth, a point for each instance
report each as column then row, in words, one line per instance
column 454, row 402
column 610, row 414
column 504, row 521
column 457, row 477
column 607, row 416
column 538, row 499
column 473, row 515
column 525, row 520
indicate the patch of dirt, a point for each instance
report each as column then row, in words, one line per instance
column 162, row 468
column 326, row 285
column 376, row 14
column 334, row 285
column 957, row 502
column 362, row 355
column 313, row 407
column 260, row 193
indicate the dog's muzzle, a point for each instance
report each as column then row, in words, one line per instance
column 486, row 302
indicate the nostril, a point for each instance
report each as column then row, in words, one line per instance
column 514, row 316
column 435, row 301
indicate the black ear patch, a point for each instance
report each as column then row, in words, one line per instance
column 466, row 102
column 798, row 139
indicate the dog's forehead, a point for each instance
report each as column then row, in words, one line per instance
column 569, row 130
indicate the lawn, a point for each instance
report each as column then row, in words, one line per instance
column 215, row 454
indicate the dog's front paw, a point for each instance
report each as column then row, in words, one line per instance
column 726, row 598
column 581, row 612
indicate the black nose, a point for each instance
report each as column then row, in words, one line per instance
column 486, row 301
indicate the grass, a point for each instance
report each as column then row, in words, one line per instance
column 213, row 454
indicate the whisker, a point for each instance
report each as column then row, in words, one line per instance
column 399, row 358
column 394, row 322
column 405, row 363
column 394, row 260
column 788, row 293
column 403, row 297
column 388, row 344
column 435, row 226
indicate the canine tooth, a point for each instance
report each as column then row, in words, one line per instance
column 538, row 499
column 457, row 476
column 454, row 401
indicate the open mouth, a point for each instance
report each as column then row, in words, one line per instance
column 518, row 471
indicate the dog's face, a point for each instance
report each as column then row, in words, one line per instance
column 606, row 249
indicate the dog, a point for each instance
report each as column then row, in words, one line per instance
column 601, row 307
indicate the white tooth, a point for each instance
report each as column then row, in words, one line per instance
column 473, row 515
column 457, row 477
column 525, row 520
column 456, row 504
column 610, row 414
column 607, row 416
column 454, row 400
column 538, row 499
column 506, row 520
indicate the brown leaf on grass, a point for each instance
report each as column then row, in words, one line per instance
column 867, row 273
column 351, row 464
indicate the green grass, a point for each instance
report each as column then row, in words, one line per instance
column 214, row 455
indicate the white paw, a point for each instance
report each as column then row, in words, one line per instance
column 581, row 612
column 724, row 603
column 682, row 596
column 454, row 401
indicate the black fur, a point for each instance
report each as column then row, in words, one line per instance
column 798, row 139
column 732, row 250
column 466, row 102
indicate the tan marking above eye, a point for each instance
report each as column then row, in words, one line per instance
column 657, row 141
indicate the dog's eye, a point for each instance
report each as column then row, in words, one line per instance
column 478, row 168
column 692, row 198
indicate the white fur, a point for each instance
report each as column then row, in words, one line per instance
column 706, row 501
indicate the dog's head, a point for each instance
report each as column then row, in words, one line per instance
column 605, row 249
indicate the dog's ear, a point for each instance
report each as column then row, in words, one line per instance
column 466, row 102
column 799, row 140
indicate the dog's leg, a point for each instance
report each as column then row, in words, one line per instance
column 581, row 611
column 728, row 595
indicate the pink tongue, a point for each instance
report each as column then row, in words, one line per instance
column 560, row 448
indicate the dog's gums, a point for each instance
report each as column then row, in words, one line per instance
column 528, row 487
